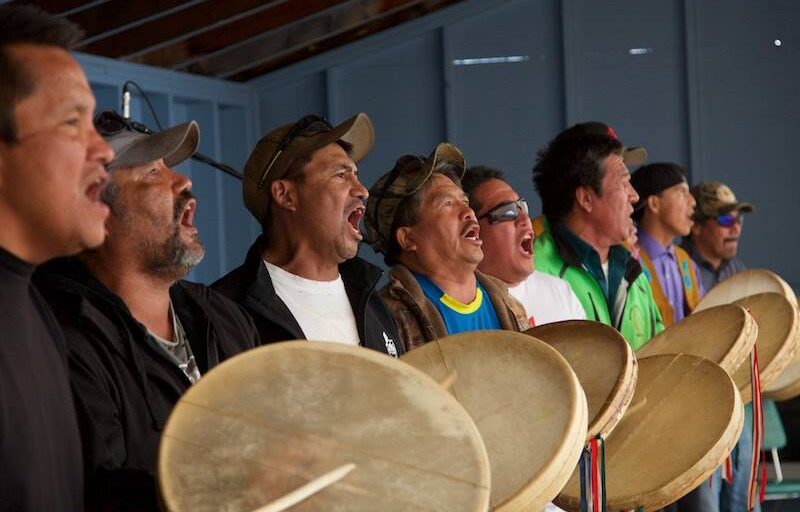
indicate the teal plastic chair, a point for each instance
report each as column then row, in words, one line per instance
column 774, row 440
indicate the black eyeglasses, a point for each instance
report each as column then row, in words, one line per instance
column 110, row 123
column 506, row 212
column 303, row 125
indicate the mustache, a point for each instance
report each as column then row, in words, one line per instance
column 180, row 204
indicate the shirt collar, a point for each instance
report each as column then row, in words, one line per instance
column 584, row 252
column 652, row 247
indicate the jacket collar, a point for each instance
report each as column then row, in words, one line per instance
column 359, row 278
column 567, row 252
column 96, row 304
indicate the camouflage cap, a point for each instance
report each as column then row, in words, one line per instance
column 408, row 175
column 275, row 153
column 714, row 199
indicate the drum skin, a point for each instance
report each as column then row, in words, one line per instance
column 604, row 363
column 270, row 420
column 685, row 418
column 527, row 404
column 744, row 284
column 780, row 385
column 724, row 334
column 777, row 342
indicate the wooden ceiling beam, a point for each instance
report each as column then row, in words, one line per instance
column 181, row 54
column 234, row 39
column 391, row 19
column 116, row 16
column 173, row 27
column 59, row 7
column 291, row 37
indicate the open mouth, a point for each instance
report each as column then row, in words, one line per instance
column 472, row 232
column 95, row 189
column 187, row 218
column 526, row 245
column 354, row 218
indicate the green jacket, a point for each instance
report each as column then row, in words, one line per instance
column 635, row 313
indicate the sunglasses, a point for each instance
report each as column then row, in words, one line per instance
column 729, row 219
column 110, row 123
column 506, row 212
column 319, row 124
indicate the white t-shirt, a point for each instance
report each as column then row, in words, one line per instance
column 547, row 299
column 321, row 308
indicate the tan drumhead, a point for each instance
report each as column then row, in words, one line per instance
column 272, row 419
column 685, row 418
column 724, row 334
column 786, row 385
column 604, row 364
column 527, row 404
column 777, row 338
column 744, row 284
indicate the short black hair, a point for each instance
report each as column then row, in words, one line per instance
column 26, row 25
column 568, row 163
column 476, row 176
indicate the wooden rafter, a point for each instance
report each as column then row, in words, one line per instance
column 197, row 18
column 391, row 17
column 291, row 37
column 233, row 39
column 183, row 53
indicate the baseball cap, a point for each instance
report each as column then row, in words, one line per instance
column 714, row 198
column 408, row 175
column 632, row 156
column 135, row 144
column 275, row 153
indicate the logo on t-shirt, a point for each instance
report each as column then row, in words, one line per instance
column 391, row 349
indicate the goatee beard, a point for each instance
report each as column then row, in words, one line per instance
column 174, row 258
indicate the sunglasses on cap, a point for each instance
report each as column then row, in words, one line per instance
column 110, row 123
column 729, row 219
column 320, row 124
column 506, row 212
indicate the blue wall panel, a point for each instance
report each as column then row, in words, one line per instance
column 240, row 229
column 288, row 102
column 625, row 65
column 401, row 90
column 500, row 113
column 747, row 117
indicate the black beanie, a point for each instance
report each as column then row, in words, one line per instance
column 654, row 178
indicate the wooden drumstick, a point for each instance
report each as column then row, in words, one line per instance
column 307, row 490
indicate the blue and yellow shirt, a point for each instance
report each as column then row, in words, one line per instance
column 459, row 317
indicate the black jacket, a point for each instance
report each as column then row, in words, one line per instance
column 250, row 285
column 124, row 386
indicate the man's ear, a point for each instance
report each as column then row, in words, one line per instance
column 284, row 194
column 584, row 198
column 405, row 239
column 653, row 202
